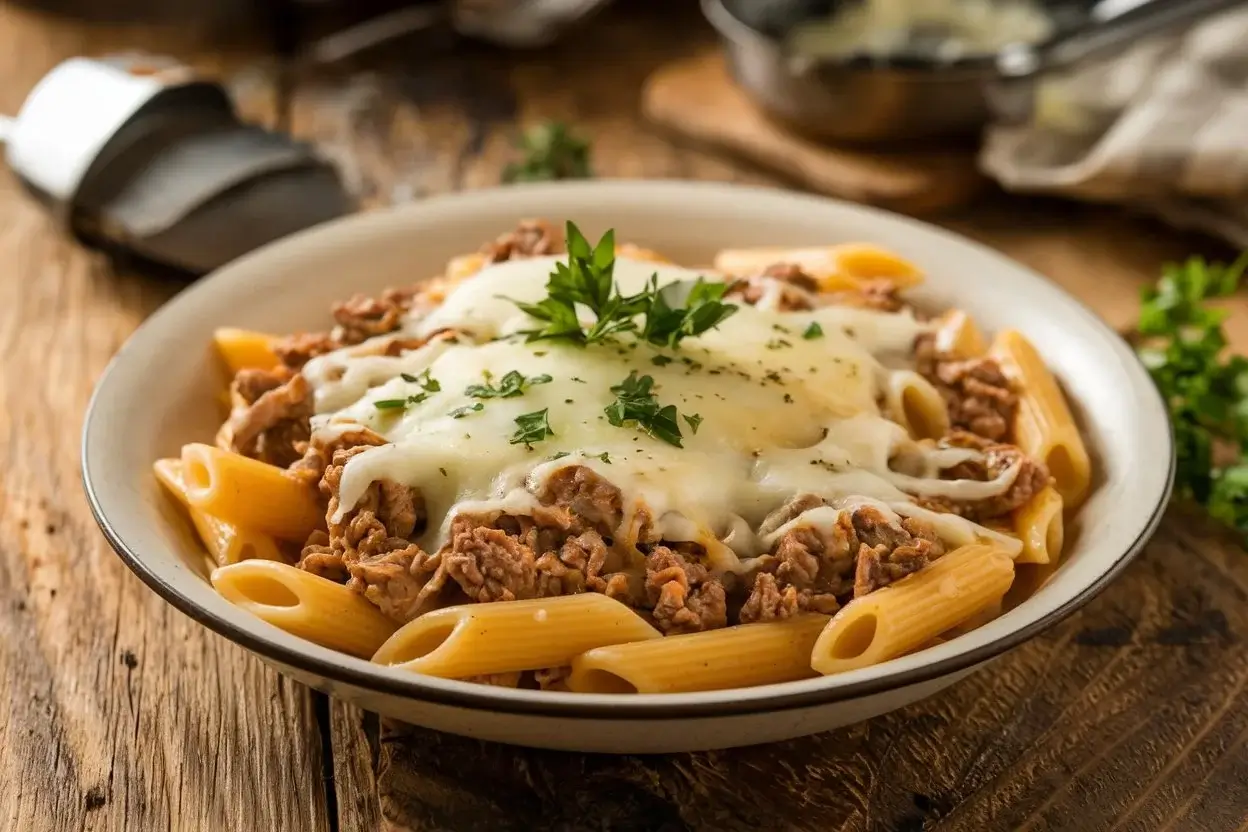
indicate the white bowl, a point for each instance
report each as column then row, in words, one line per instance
column 161, row 391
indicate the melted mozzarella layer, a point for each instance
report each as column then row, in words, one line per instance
column 780, row 414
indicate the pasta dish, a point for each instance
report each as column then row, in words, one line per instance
column 576, row 466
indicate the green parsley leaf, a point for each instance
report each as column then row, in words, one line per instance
column 636, row 406
column 426, row 382
column 605, row 457
column 813, row 331
column 683, row 309
column 558, row 455
column 551, row 151
column 512, row 384
column 461, row 412
column 390, row 404
column 694, row 421
column 532, row 427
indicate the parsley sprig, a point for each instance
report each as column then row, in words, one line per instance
column 669, row 315
column 551, row 151
column 1206, row 392
column 635, row 405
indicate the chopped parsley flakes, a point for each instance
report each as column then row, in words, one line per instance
column 813, row 331
column 512, row 384
column 532, row 428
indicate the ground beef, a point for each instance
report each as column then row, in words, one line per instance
column 1033, row 477
column 796, row 288
column 977, row 392
column 317, row 451
column 531, row 238
column 403, row 583
column 491, row 565
column 810, row 571
column 362, row 317
column 296, row 350
column 877, row 295
column 498, row 680
column 592, row 501
column 358, row 319
column 552, row 678
column 684, row 596
column 371, row 546
column 805, row 571
column 271, row 416
column 897, row 552
column 321, row 559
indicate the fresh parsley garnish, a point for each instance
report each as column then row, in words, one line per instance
column 1182, row 345
column 512, row 384
column 661, row 360
column 531, row 428
column 635, row 405
column 558, row 455
column 390, row 404
column 605, row 457
column 551, row 151
column 677, row 311
column 461, row 412
column 425, row 381
column 683, row 309
column 694, row 421
column 813, row 331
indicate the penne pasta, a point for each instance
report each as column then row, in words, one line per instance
column 1044, row 427
column 898, row 618
column 305, row 605
column 916, row 405
column 226, row 543
column 248, row 493
column 635, row 252
column 836, row 268
column 507, row 636
column 1039, row 525
column 958, row 335
column 748, row 654
column 242, row 349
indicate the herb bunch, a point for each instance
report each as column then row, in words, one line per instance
column 551, row 151
column 669, row 315
column 1206, row 392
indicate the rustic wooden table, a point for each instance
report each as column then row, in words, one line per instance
column 123, row 714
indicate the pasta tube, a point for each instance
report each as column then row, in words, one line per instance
column 1044, row 427
column 1038, row 524
column 305, row 605
column 959, row 336
column 251, row 494
column 898, row 618
column 243, row 350
column 916, row 405
column 507, row 636
column 741, row 656
column 225, row 542
column 839, row 267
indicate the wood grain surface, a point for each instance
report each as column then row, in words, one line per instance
column 122, row 714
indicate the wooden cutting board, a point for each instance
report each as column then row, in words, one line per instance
column 695, row 98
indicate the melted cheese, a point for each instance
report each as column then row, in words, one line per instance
column 781, row 414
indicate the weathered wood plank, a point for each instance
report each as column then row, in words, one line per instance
column 120, row 713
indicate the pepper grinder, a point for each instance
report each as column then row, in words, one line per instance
column 138, row 154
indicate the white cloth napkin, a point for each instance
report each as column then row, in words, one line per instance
column 1163, row 128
